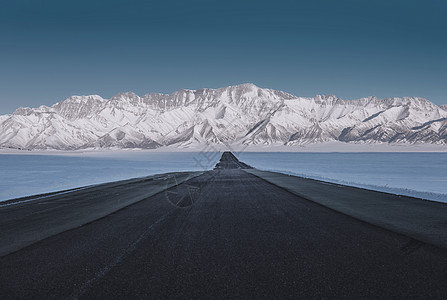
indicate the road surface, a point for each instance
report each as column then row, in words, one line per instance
column 225, row 234
column 27, row 220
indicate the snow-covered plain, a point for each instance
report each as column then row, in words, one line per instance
column 25, row 174
column 422, row 175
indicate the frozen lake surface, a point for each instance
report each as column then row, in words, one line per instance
column 422, row 175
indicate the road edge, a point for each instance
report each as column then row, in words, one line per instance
column 425, row 221
column 181, row 177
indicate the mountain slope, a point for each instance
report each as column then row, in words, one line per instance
column 236, row 114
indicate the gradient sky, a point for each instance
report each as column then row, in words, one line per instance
column 52, row 49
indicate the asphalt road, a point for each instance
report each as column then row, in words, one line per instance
column 229, row 161
column 225, row 234
column 27, row 220
column 420, row 219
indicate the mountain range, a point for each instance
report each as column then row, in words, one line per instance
column 241, row 114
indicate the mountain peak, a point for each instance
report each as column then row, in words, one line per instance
column 246, row 86
column 125, row 96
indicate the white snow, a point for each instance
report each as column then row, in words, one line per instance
column 24, row 174
column 188, row 118
column 420, row 175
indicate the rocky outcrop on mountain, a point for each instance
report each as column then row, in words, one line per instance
column 241, row 114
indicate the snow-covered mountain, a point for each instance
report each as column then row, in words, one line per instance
column 241, row 114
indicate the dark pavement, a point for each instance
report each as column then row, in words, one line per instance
column 420, row 219
column 27, row 220
column 233, row 236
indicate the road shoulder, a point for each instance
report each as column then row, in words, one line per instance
column 420, row 219
column 31, row 219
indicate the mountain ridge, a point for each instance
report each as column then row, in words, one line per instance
column 239, row 114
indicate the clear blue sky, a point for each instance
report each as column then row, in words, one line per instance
column 52, row 49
